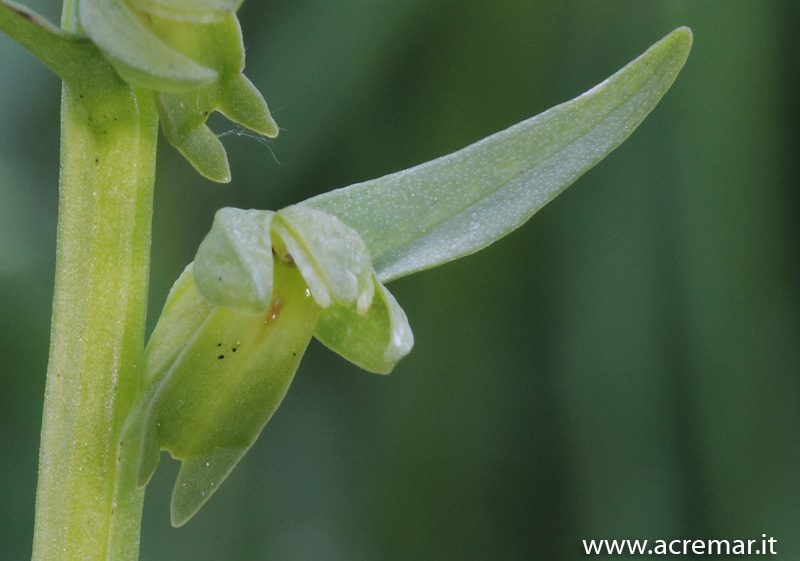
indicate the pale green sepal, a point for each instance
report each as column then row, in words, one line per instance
column 233, row 267
column 199, row 11
column 70, row 56
column 374, row 341
column 140, row 57
column 453, row 206
column 201, row 147
column 149, row 453
column 242, row 103
column 224, row 385
column 199, row 478
column 331, row 256
column 184, row 315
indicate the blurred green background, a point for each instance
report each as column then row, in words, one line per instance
column 627, row 365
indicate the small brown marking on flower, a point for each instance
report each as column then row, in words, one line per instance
column 283, row 256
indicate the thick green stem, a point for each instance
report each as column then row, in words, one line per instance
column 88, row 506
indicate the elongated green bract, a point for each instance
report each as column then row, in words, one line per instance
column 458, row 204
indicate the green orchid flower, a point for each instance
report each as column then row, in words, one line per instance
column 238, row 320
column 235, row 327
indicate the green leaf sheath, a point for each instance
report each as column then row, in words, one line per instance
column 88, row 507
column 458, row 204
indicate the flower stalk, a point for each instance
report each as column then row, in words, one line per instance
column 88, row 504
column 85, row 509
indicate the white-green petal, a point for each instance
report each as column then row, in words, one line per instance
column 299, row 256
column 375, row 340
column 199, row 145
column 233, row 267
column 401, row 338
column 242, row 103
column 331, row 256
column 136, row 54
